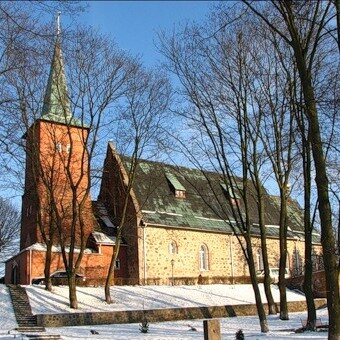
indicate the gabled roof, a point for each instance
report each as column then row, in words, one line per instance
column 205, row 206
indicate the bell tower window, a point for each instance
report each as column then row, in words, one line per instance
column 58, row 147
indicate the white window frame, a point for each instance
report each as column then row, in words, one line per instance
column 259, row 258
column 204, row 258
column 58, row 147
column 173, row 248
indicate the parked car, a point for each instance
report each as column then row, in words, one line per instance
column 274, row 274
column 59, row 277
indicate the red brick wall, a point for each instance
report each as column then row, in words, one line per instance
column 94, row 266
column 52, row 150
column 21, row 263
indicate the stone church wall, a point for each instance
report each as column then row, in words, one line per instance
column 226, row 262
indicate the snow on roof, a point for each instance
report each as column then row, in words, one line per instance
column 102, row 238
column 55, row 249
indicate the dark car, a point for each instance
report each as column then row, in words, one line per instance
column 58, row 278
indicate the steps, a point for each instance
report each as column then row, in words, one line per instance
column 43, row 336
column 30, row 329
column 27, row 322
column 22, row 307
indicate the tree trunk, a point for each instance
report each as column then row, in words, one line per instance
column 110, row 274
column 283, row 256
column 272, row 310
column 47, row 269
column 337, row 6
column 72, row 290
column 308, row 279
column 109, row 278
column 327, row 237
column 259, row 305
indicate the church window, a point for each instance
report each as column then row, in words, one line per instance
column 117, row 264
column 204, row 258
column 58, row 147
column 173, row 249
column 259, row 259
column 298, row 266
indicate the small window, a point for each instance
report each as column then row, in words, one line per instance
column 204, row 258
column 58, row 147
column 176, row 186
column 173, row 247
column 259, row 260
column 68, row 148
column 231, row 193
column 117, row 264
column 298, row 263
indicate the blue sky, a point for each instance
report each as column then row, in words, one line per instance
column 133, row 24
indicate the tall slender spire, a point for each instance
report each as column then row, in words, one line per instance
column 56, row 101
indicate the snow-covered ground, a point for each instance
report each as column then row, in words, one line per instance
column 150, row 297
column 147, row 297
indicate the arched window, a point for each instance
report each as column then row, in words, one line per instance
column 173, row 247
column 204, row 257
column 259, row 259
column 298, row 264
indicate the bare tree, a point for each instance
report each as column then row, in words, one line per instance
column 59, row 161
column 9, row 229
column 277, row 135
column 215, row 80
column 141, row 132
column 303, row 26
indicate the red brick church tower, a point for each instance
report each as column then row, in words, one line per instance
column 56, row 204
column 57, row 169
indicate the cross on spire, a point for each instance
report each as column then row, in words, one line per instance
column 58, row 24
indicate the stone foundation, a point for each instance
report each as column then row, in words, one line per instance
column 158, row 315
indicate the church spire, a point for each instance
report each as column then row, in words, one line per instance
column 56, row 101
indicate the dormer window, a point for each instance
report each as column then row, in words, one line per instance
column 176, row 186
column 231, row 193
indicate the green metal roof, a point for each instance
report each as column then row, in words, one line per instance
column 205, row 206
column 56, row 107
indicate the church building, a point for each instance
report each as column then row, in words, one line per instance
column 176, row 230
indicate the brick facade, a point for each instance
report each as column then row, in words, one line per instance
column 56, row 160
column 29, row 264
